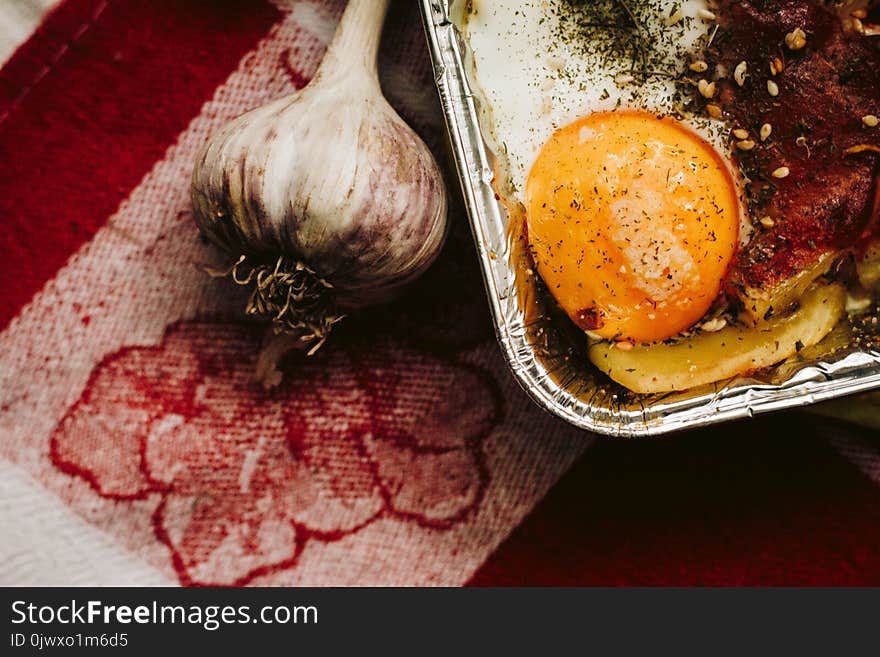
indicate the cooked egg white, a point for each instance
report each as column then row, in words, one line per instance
column 540, row 65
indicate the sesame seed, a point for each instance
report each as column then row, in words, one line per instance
column 772, row 88
column 714, row 325
column 706, row 88
column 713, row 110
column 870, row 121
column 745, row 145
column 706, row 15
column 741, row 133
column 858, row 26
column 796, row 39
column 624, row 345
column 676, row 16
column 739, row 73
column 767, row 222
column 766, row 129
column 776, row 66
column 781, row 172
column 699, row 66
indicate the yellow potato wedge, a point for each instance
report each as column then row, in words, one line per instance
column 869, row 267
column 764, row 302
column 707, row 357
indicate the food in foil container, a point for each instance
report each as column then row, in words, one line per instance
column 547, row 349
column 691, row 185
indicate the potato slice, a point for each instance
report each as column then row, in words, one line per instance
column 707, row 357
column 869, row 267
column 761, row 303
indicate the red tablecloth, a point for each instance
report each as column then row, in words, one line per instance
column 136, row 448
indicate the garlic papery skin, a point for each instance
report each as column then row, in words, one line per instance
column 326, row 199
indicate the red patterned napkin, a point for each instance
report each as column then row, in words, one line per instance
column 135, row 447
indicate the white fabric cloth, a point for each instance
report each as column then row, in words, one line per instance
column 18, row 18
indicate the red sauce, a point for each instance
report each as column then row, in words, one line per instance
column 828, row 199
column 589, row 319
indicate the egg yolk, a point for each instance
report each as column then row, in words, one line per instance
column 633, row 221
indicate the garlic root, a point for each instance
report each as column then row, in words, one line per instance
column 275, row 347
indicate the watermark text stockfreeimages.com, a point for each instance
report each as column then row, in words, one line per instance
column 210, row 617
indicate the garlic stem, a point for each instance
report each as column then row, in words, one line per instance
column 356, row 41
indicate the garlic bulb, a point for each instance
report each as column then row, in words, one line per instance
column 325, row 199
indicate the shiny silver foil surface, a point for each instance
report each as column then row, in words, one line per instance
column 540, row 353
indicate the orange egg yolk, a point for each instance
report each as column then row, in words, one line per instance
column 633, row 221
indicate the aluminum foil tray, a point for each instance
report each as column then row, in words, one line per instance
column 540, row 354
